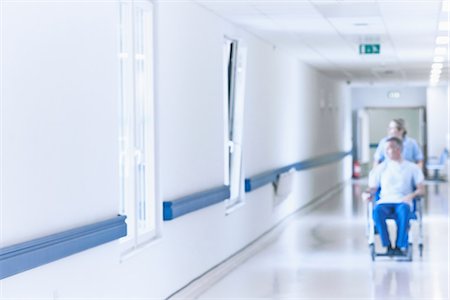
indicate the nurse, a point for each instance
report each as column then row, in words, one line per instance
column 411, row 149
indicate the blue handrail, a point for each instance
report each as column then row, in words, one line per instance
column 31, row 254
column 262, row 179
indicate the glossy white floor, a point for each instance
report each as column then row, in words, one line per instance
column 324, row 255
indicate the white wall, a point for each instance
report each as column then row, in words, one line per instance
column 59, row 117
column 284, row 123
column 437, row 120
column 434, row 99
column 378, row 97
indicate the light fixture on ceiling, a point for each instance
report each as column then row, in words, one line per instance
column 437, row 66
column 434, row 82
column 361, row 24
column 444, row 25
column 438, row 59
column 434, row 78
column 442, row 40
column 440, row 51
column 445, row 6
column 436, row 72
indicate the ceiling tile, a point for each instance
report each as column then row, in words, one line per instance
column 290, row 8
column 326, row 34
column 347, row 9
column 361, row 26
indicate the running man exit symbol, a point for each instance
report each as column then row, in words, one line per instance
column 369, row 49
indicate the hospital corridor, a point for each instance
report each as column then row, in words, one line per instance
column 224, row 149
column 324, row 255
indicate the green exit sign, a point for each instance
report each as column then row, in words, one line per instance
column 369, row 49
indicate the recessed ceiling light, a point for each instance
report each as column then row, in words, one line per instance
column 436, row 71
column 444, row 25
column 445, row 6
column 440, row 51
column 438, row 59
column 442, row 40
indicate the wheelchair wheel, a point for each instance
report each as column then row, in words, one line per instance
column 420, row 249
column 372, row 251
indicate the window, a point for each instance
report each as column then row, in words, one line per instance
column 137, row 162
column 234, row 75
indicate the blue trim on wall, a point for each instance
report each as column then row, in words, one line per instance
column 178, row 207
column 374, row 146
column 175, row 208
column 24, row 256
column 271, row 176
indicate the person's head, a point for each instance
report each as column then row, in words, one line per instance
column 394, row 148
column 397, row 128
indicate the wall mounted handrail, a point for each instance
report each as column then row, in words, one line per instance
column 31, row 254
column 267, row 177
column 175, row 208
column 20, row 257
column 181, row 206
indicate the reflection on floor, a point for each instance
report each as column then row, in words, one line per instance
column 324, row 254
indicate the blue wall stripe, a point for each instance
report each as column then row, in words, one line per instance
column 271, row 176
column 373, row 146
column 31, row 254
column 178, row 207
column 175, row 208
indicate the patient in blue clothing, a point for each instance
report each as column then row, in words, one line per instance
column 400, row 182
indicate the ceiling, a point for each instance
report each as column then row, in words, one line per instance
column 326, row 34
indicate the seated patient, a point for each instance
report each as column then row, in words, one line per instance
column 400, row 182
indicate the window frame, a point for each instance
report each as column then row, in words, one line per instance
column 139, row 196
column 234, row 67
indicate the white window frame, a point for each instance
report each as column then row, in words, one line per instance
column 235, row 53
column 138, row 197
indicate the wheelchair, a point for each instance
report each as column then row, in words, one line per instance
column 415, row 217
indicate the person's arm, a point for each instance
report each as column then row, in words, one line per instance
column 374, row 183
column 420, row 191
column 375, row 163
column 368, row 194
column 420, row 164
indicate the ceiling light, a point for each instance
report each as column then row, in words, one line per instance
column 436, row 71
column 437, row 66
column 442, row 40
column 440, row 51
column 438, row 59
column 445, row 6
column 443, row 25
column 433, row 75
